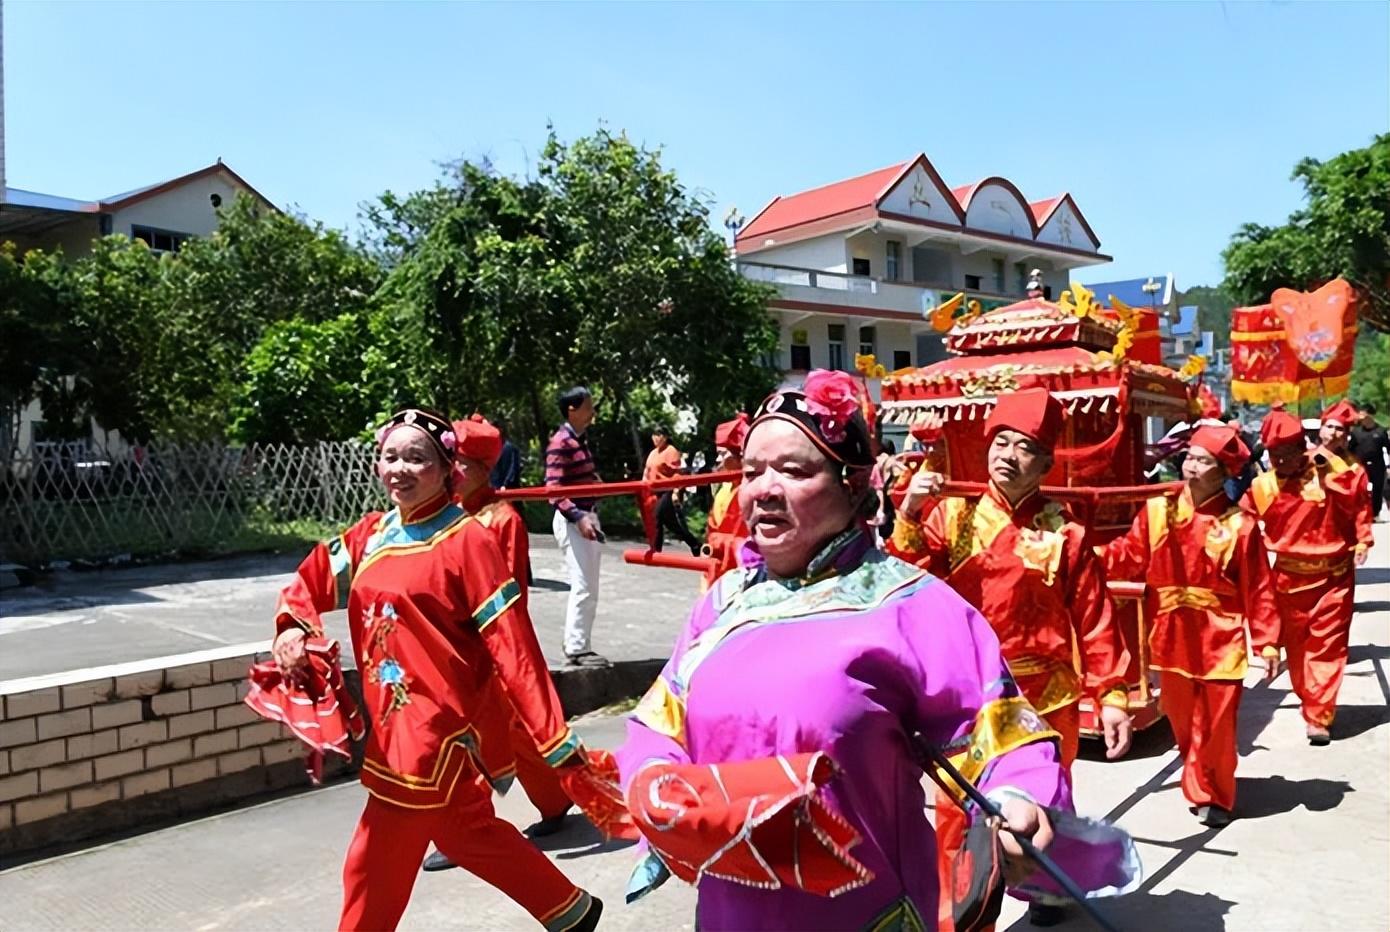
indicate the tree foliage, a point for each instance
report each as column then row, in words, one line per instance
column 1344, row 230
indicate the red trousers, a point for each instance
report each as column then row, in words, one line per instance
column 540, row 780
column 383, row 860
column 951, row 824
column 1316, row 625
column 1203, row 716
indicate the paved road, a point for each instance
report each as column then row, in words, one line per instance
column 114, row 616
column 1310, row 851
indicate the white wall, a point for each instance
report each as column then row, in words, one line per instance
column 995, row 208
column 823, row 253
column 185, row 209
column 1064, row 229
column 918, row 196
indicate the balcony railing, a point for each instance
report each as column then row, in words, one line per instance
column 861, row 291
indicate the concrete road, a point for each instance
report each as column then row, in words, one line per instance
column 1311, row 849
column 85, row 619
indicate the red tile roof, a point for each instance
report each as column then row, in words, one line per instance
column 819, row 203
column 1044, row 208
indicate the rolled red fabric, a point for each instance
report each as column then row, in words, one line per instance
column 312, row 701
column 762, row 823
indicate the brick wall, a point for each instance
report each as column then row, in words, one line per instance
column 99, row 751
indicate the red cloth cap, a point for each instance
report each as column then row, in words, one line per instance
column 1343, row 412
column 1224, row 444
column 478, row 440
column 1280, row 428
column 1033, row 412
column 730, row 434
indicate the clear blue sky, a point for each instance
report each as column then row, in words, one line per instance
column 1170, row 123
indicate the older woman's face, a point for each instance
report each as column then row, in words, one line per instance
column 791, row 497
column 410, row 467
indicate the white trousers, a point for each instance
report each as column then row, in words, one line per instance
column 582, row 557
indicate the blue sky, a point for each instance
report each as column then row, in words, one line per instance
column 1170, row 123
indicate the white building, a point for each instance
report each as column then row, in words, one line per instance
column 857, row 263
column 162, row 214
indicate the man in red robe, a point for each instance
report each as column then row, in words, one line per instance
column 1029, row 568
column 1334, row 436
column 479, row 446
column 1208, row 576
column 725, row 530
column 1310, row 506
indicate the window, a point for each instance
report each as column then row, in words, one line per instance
column 801, row 351
column 893, row 253
column 1021, row 272
column 837, row 347
column 159, row 240
column 902, row 359
column 972, row 282
column 998, row 265
column 866, row 341
column 1047, row 292
column 860, row 266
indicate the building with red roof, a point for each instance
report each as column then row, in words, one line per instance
column 858, row 262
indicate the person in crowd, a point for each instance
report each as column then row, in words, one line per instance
column 1310, row 506
column 1020, row 559
column 478, row 451
column 447, row 660
column 1208, row 580
column 796, row 692
column 664, row 462
column 725, row 530
column 1371, row 446
column 578, row 532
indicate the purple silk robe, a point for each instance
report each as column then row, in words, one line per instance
column 852, row 659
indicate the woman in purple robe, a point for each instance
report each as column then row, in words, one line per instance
column 809, row 670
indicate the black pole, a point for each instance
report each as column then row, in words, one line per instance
column 935, row 757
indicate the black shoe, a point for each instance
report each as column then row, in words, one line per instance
column 1318, row 737
column 1213, row 816
column 587, row 659
column 546, row 826
column 589, row 921
column 1044, row 915
column 437, row 862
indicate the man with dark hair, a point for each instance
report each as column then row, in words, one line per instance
column 506, row 474
column 1370, row 445
column 576, row 525
column 664, row 462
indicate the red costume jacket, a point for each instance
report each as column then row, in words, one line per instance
column 1030, row 570
column 1313, row 523
column 437, row 635
column 725, row 530
column 1207, row 574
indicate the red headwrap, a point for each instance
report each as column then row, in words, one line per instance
column 1224, row 444
column 730, row 434
column 1342, row 412
column 1033, row 412
column 1280, row 428
column 478, row 440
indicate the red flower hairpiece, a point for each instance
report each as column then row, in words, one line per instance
column 833, row 397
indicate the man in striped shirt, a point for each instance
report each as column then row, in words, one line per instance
column 576, row 525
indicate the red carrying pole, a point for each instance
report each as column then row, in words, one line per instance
column 673, row 561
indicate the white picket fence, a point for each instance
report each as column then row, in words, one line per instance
column 74, row 502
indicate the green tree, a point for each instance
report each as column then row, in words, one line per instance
column 34, row 318
column 601, row 270
column 1344, row 230
column 1213, row 310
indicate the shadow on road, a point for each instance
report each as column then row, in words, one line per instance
column 1353, row 720
column 1178, row 909
column 1261, row 797
column 1371, row 577
column 579, row 839
column 1154, row 741
column 1359, row 652
column 1372, row 606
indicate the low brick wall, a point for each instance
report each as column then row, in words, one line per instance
column 105, row 750
column 108, row 749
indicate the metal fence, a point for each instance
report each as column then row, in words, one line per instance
column 73, row 502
